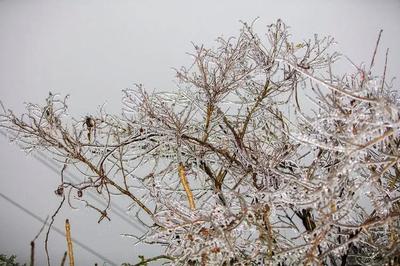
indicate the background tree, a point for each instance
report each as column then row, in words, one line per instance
column 262, row 155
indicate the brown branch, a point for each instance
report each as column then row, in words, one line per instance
column 64, row 258
column 46, row 241
column 267, row 223
column 384, row 70
column 210, row 109
column 230, row 127
column 32, row 263
column 103, row 214
column 375, row 50
column 224, row 153
column 260, row 98
column 101, row 174
column 146, row 261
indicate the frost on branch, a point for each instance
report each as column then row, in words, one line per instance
column 261, row 155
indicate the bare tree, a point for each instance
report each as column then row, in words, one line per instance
column 263, row 155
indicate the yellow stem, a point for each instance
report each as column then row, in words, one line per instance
column 69, row 242
column 185, row 184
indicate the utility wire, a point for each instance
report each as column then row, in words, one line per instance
column 60, row 232
column 46, row 161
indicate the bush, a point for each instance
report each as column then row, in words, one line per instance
column 263, row 155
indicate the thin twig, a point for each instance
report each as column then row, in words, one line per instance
column 384, row 70
column 146, row 261
column 375, row 50
column 48, row 230
column 64, row 258
column 32, row 262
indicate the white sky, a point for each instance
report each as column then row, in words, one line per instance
column 91, row 49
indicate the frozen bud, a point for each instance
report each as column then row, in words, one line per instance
column 59, row 191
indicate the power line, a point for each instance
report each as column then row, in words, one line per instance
column 60, row 232
column 50, row 164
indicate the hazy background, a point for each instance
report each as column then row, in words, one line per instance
column 91, row 49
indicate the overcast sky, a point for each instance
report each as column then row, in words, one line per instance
column 91, row 49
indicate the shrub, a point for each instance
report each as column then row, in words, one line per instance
column 263, row 155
